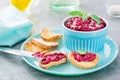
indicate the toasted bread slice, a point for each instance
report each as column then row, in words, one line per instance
column 29, row 46
column 53, row 63
column 83, row 64
column 48, row 35
column 44, row 44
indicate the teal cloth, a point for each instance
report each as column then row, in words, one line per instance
column 13, row 27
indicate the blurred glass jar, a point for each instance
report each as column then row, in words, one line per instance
column 113, row 8
column 62, row 6
column 24, row 5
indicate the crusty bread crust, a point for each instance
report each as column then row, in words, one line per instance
column 45, row 46
column 48, row 35
column 29, row 46
column 55, row 63
column 83, row 64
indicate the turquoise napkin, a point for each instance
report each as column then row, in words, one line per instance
column 14, row 26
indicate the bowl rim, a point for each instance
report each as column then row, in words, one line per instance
column 84, row 31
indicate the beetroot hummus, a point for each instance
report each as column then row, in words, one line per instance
column 52, row 57
column 88, row 57
column 78, row 24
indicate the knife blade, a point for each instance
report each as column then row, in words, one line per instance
column 17, row 52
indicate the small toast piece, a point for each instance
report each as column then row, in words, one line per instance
column 48, row 35
column 83, row 64
column 44, row 44
column 29, row 46
column 53, row 63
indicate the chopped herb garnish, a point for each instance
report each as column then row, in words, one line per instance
column 82, row 52
column 82, row 14
column 75, row 13
column 96, row 18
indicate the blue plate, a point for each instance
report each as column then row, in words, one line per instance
column 105, row 58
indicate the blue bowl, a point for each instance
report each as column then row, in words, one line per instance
column 92, row 41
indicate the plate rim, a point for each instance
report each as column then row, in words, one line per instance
column 64, row 74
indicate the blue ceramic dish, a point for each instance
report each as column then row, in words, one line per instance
column 106, row 56
column 92, row 41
